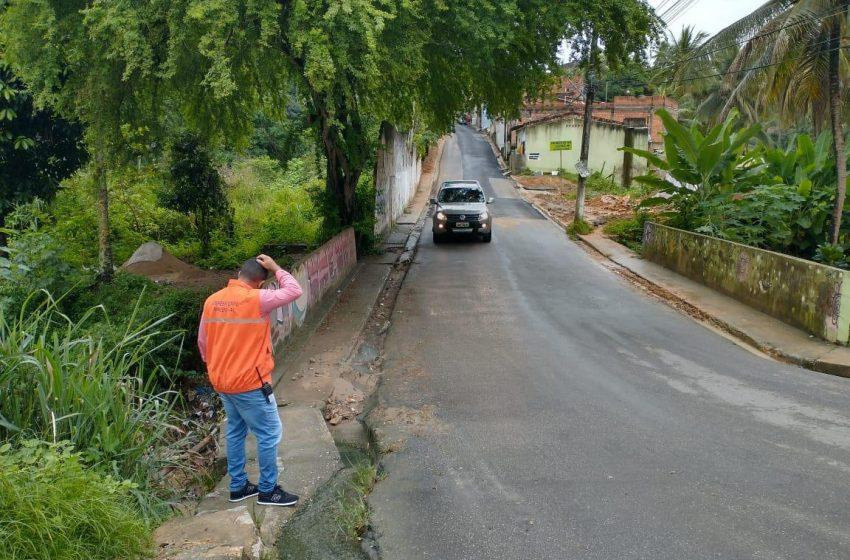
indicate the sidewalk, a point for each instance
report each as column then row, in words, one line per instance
column 766, row 333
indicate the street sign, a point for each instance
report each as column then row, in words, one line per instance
column 560, row 145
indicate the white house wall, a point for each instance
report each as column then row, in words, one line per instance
column 605, row 142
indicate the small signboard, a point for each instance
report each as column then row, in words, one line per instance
column 534, row 155
column 560, row 145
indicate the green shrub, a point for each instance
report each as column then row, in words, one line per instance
column 54, row 508
column 33, row 261
column 131, row 295
column 272, row 206
column 196, row 190
column 136, row 215
column 58, row 382
column 832, row 255
column 579, row 227
column 628, row 231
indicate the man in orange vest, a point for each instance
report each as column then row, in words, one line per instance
column 235, row 342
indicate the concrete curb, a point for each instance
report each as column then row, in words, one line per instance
column 813, row 354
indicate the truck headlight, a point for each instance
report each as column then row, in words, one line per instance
column 441, row 216
column 484, row 215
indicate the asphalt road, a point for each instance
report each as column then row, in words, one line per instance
column 564, row 415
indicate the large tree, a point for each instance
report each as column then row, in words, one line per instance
column 606, row 34
column 123, row 66
column 794, row 59
column 126, row 70
column 37, row 149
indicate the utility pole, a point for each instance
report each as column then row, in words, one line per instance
column 590, row 93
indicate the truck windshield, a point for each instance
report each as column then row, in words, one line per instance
column 461, row 194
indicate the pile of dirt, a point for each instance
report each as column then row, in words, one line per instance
column 545, row 183
column 610, row 206
column 560, row 203
column 152, row 261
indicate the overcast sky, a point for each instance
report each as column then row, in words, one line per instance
column 710, row 15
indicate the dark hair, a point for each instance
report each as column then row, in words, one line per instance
column 252, row 270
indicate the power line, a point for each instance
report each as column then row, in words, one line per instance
column 682, row 10
column 721, row 74
column 673, row 7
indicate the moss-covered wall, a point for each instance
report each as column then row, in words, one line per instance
column 802, row 293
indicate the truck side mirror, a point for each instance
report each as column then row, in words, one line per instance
column 433, row 201
column 490, row 200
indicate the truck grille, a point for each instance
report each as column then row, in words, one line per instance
column 471, row 218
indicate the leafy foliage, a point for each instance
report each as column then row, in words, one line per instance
column 137, row 215
column 55, row 508
column 272, row 209
column 702, row 165
column 832, row 255
column 794, row 62
column 629, row 231
column 728, row 184
column 58, row 383
column 129, row 295
column 196, row 189
column 37, row 149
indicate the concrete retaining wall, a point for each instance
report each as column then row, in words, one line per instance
column 808, row 295
column 397, row 172
column 321, row 271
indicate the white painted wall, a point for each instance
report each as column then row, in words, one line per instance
column 496, row 130
column 605, row 141
column 397, row 173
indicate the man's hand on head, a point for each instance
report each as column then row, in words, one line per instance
column 268, row 263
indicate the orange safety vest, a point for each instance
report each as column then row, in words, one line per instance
column 239, row 349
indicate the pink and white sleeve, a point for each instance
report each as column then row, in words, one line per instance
column 289, row 291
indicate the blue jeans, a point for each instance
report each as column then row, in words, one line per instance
column 250, row 411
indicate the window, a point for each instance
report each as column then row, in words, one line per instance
column 455, row 195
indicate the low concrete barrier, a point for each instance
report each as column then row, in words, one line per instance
column 808, row 295
column 319, row 272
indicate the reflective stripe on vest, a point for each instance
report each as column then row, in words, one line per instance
column 238, row 339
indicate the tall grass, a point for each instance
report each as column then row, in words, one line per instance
column 54, row 508
column 60, row 383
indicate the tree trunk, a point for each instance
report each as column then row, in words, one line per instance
column 345, row 154
column 107, row 268
column 837, row 121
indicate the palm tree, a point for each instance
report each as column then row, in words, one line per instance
column 679, row 63
column 792, row 59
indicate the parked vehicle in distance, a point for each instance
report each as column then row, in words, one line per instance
column 460, row 208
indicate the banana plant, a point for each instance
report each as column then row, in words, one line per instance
column 697, row 166
column 804, row 163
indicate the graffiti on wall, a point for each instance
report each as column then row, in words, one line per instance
column 317, row 274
